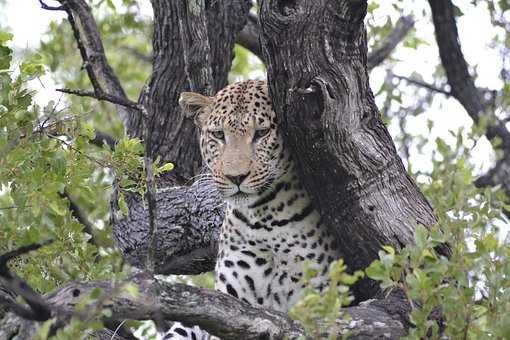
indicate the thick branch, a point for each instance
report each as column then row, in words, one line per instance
column 461, row 82
column 464, row 90
column 386, row 47
column 173, row 136
column 215, row 312
column 189, row 220
column 249, row 37
column 88, row 38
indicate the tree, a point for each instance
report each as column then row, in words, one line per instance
column 319, row 84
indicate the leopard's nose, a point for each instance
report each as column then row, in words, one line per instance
column 237, row 180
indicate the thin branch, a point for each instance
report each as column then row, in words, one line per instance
column 105, row 83
column 51, row 8
column 103, row 96
column 102, row 138
column 456, row 68
column 147, row 58
column 402, row 27
column 6, row 257
column 150, row 195
column 80, row 215
column 424, row 85
column 39, row 309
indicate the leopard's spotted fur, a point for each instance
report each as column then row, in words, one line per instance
column 271, row 227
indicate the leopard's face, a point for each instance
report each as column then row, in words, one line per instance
column 239, row 139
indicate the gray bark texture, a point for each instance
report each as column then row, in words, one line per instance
column 316, row 56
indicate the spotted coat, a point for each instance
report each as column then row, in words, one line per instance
column 271, row 226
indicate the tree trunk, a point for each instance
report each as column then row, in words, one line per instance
column 316, row 54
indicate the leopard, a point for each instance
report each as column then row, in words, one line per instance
column 271, row 228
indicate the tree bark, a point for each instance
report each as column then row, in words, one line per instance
column 215, row 312
column 316, row 55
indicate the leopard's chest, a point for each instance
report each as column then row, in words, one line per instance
column 261, row 260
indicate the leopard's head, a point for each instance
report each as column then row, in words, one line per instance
column 239, row 139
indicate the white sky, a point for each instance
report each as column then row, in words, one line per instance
column 29, row 22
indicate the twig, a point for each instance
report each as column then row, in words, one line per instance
column 70, row 146
column 99, row 95
column 15, row 207
column 78, row 213
column 51, row 8
column 402, row 27
column 39, row 309
column 102, row 137
column 424, row 85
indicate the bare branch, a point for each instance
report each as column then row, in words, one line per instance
column 99, row 95
column 104, row 81
column 249, row 36
column 218, row 313
column 51, row 8
column 402, row 27
column 102, row 138
column 457, row 72
column 424, row 85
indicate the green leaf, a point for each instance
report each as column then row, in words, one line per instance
column 57, row 207
column 5, row 37
column 166, row 167
column 5, row 57
column 376, row 271
column 123, row 205
column 87, row 130
column 389, row 249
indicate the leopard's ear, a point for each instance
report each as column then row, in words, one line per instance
column 193, row 104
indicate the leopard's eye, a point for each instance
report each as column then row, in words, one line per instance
column 261, row 133
column 218, row 134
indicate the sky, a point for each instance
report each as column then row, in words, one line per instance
column 446, row 113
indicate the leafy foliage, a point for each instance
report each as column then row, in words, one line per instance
column 44, row 161
column 318, row 311
column 471, row 289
